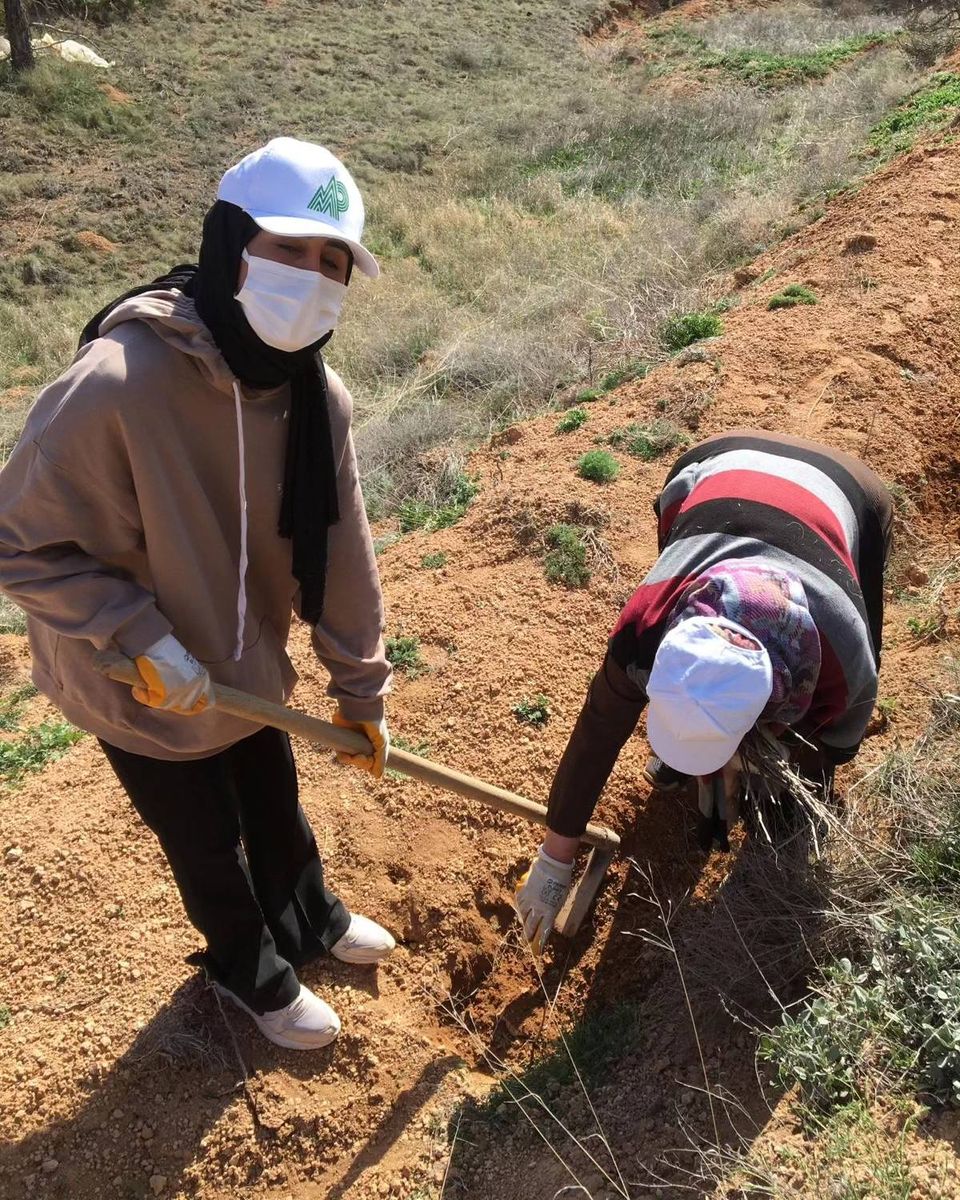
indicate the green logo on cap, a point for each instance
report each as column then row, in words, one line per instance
column 332, row 199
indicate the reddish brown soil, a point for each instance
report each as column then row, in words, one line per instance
column 120, row 1077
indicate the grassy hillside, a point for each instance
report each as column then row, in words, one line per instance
column 541, row 202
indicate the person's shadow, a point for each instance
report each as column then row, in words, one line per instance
column 150, row 1114
column 702, row 949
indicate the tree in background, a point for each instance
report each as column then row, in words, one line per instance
column 18, row 34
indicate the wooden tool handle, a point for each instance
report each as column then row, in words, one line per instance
column 313, row 729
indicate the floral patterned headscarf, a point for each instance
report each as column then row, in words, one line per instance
column 771, row 604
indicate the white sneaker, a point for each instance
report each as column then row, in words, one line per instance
column 305, row 1024
column 364, row 942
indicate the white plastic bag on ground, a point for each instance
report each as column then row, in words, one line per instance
column 70, row 51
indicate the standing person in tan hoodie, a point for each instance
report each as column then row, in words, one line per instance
column 185, row 487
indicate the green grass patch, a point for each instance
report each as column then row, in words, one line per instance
column 4, row 1016
column 566, row 560
column 64, row 98
column 929, row 108
column 792, row 295
column 683, row 329
column 533, row 712
column 648, row 441
column 433, row 562
column 35, row 749
column 572, row 419
column 403, row 654
column 11, row 706
column 626, row 372
column 762, row 68
column 443, row 510
column 598, row 466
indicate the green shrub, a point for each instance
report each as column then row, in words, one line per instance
column 572, row 419
column 598, row 466
column 566, row 560
column 4, row 1016
column 793, row 294
column 533, row 712
column 35, row 749
column 649, row 441
column 403, row 654
column 634, row 368
column 899, row 1015
column 588, row 395
column 681, row 330
column 445, row 509
column 434, row 561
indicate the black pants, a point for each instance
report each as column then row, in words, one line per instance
column 245, row 861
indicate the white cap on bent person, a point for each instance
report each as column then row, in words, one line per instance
column 705, row 695
column 298, row 189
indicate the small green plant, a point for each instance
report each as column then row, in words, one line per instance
column 384, row 543
column 648, row 441
column 533, row 712
column 572, row 419
column 634, row 368
column 566, row 560
column 683, row 329
column 422, row 749
column 403, row 654
column 793, row 294
column 11, row 706
column 4, row 1016
column 35, row 749
column 433, row 562
column 444, row 510
column 931, row 628
column 598, row 466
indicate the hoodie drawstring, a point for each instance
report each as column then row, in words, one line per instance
column 242, row 585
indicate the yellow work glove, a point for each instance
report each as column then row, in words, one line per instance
column 172, row 678
column 376, row 733
column 540, row 895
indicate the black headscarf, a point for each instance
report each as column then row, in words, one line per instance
column 309, row 502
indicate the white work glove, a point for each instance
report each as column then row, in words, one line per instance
column 172, row 678
column 540, row 896
column 376, row 733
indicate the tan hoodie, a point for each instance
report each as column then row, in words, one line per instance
column 121, row 520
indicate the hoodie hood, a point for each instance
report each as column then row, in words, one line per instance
column 173, row 317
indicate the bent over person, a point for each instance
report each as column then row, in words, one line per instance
column 763, row 610
column 185, row 487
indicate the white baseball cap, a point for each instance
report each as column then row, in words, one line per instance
column 705, row 694
column 298, row 189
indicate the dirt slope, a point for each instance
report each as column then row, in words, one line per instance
column 119, row 1075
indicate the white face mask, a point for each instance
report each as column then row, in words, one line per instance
column 289, row 308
